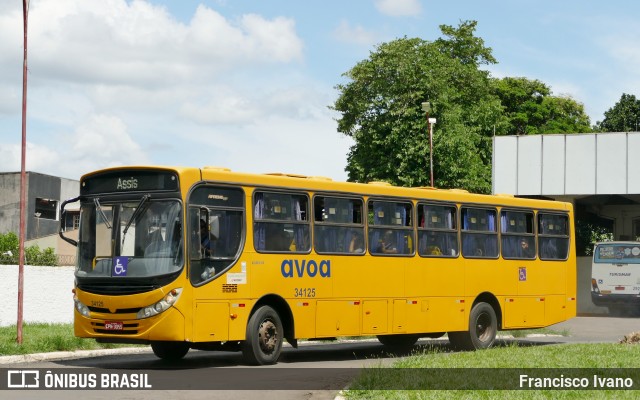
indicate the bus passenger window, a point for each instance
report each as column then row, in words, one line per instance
column 390, row 228
column 338, row 227
column 437, row 231
column 518, row 240
column 479, row 233
column 553, row 236
column 281, row 223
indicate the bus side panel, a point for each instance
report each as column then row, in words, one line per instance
column 524, row 312
column 442, row 277
column 488, row 275
column 374, row 317
column 445, row 314
column 534, row 278
column 304, row 316
column 556, row 309
column 338, row 318
column 211, row 321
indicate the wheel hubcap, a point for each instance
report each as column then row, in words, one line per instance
column 483, row 327
column 267, row 336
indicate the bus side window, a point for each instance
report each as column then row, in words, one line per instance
column 281, row 222
column 479, row 233
column 553, row 236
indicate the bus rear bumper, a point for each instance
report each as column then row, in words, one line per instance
column 615, row 299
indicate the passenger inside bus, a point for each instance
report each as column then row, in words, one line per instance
column 278, row 240
column 387, row 244
column 526, row 251
column 206, row 244
column 357, row 243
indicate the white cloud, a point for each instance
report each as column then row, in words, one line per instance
column 38, row 157
column 121, row 82
column 137, row 43
column 399, row 8
column 107, row 140
column 356, row 35
column 101, row 141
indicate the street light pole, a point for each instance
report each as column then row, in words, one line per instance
column 432, row 122
column 426, row 107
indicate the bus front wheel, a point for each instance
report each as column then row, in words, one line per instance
column 483, row 327
column 263, row 340
column 170, row 351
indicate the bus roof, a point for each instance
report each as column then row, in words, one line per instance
column 324, row 184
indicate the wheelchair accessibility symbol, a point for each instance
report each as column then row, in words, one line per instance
column 522, row 274
column 120, row 266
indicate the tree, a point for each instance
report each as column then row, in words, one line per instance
column 381, row 110
column 624, row 116
column 530, row 108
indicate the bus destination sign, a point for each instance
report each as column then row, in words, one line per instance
column 129, row 181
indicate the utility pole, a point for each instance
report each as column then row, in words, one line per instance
column 23, row 174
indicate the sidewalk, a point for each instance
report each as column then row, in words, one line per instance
column 69, row 355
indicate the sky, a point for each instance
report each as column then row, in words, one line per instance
column 248, row 84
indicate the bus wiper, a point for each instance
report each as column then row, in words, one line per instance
column 139, row 209
column 102, row 214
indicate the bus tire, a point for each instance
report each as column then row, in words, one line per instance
column 483, row 327
column 264, row 337
column 398, row 342
column 170, row 351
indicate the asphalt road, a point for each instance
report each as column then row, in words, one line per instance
column 312, row 372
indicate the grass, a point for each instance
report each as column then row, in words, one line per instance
column 500, row 368
column 44, row 338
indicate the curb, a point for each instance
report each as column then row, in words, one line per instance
column 68, row 355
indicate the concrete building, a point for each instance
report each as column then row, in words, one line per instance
column 598, row 173
column 44, row 194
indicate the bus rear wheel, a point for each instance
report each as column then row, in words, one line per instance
column 170, row 351
column 264, row 336
column 483, row 327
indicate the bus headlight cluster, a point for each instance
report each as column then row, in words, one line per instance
column 81, row 307
column 161, row 306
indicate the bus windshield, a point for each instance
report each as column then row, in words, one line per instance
column 607, row 253
column 140, row 238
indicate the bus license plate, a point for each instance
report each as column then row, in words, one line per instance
column 113, row 326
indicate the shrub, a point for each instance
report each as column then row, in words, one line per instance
column 9, row 252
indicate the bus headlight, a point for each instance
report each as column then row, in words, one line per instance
column 161, row 306
column 81, row 307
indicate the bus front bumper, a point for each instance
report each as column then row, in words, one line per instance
column 168, row 326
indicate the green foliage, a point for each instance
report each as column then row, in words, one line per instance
column 9, row 252
column 529, row 108
column 381, row 109
column 591, row 229
column 624, row 116
column 9, row 242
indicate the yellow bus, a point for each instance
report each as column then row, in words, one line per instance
column 210, row 259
